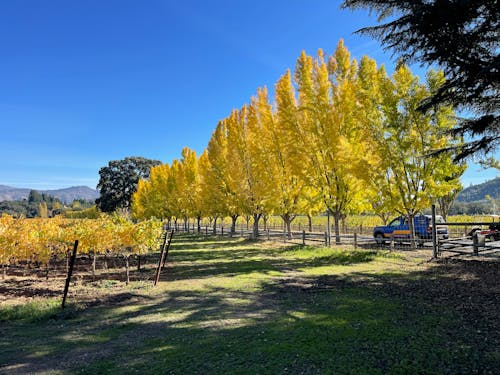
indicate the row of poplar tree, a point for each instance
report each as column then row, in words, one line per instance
column 340, row 135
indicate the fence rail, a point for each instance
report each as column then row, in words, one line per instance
column 299, row 237
column 460, row 241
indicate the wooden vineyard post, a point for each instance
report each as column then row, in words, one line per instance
column 70, row 272
column 355, row 240
column 167, row 250
column 127, row 270
column 163, row 256
column 303, row 237
column 94, row 255
column 162, row 250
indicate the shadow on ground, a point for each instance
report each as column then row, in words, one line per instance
column 443, row 319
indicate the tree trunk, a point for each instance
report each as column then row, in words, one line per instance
column 412, row 229
column 337, row 216
column 256, row 218
column 287, row 220
column 264, row 218
column 198, row 223
column 234, row 218
column 309, row 222
column 214, row 230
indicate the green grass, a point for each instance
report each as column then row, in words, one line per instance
column 32, row 311
column 239, row 307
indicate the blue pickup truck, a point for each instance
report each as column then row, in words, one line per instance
column 399, row 229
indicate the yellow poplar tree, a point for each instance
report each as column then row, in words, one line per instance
column 285, row 162
column 188, row 186
column 410, row 137
column 333, row 138
column 220, row 187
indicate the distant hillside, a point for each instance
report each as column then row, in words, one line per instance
column 478, row 192
column 67, row 195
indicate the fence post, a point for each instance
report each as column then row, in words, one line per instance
column 268, row 234
column 206, row 231
column 70, row 272
column 355, row 240
column 303, row 237
column 475, row 244
column 222, row 231
column 326, row 238
column 434, row 233
column 328, row 228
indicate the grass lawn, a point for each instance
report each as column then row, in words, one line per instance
column 239, row 307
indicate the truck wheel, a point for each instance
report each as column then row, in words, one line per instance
column 379, row 238
column 419, row 240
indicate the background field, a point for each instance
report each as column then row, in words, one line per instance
column 233, row 306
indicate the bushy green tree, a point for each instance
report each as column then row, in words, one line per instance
column 118, row 181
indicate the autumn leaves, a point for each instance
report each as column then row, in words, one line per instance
column 338, row 135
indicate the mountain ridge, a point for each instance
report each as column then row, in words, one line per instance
column 480, row 191
column 66, row 195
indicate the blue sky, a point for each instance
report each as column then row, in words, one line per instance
column 86, row 82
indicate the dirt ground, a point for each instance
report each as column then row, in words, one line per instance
column 20, row 283
column 478, row 287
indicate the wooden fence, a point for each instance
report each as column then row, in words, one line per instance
column 459, row 242
column 470, row 243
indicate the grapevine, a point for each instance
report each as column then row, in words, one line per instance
column 39, row 239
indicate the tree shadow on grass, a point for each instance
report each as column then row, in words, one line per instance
column 442, row 320
column 240, row 262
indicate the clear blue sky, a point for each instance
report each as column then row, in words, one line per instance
column 85, row 82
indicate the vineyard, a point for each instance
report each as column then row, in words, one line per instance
column 38, row 242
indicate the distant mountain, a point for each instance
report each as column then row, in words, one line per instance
column 479, row 192
column 67, row 195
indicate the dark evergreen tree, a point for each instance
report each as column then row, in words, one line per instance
column 463, row 38
column 118, row 181
column 35, row 197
